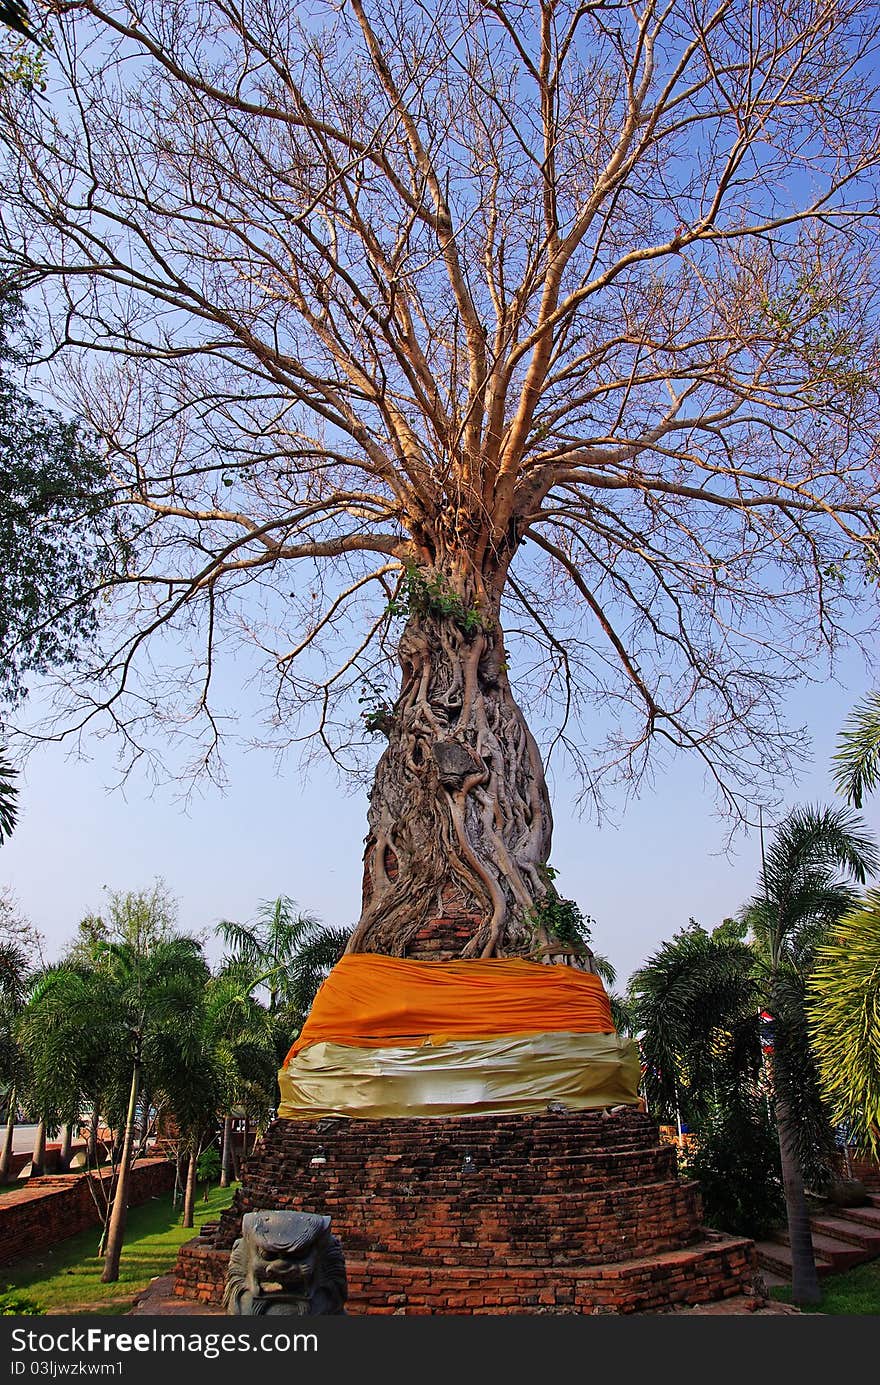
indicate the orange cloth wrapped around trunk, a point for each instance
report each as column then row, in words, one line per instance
column 372, row 1001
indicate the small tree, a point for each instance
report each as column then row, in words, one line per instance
column 150, row 982
column 698, row 1002
column 243, row 1039
column 803, row 891
column 736, row 1163
column 14, row 971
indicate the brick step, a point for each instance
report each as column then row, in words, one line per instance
column 474, row 1195
column 856, row 1232
column 776, row 1257
column 841, row 1255
column 704, row 1272
column 375, row 1152
column 556, row 1135
column 610, row 1171
column 865, row 1216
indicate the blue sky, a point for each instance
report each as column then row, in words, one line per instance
column 641, row 875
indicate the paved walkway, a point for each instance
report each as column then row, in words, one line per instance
column 158, row 1300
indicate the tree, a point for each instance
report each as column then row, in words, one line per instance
column 698, row 1003
column 844, row 1020
column 154, row 979
column 189, row 1076
column 285, row 952
column 58, row 539
column 21, row 955
column 803, row 891
column 470, row 336
column 73, row 1044
column 243, row 1041
column 13, row 986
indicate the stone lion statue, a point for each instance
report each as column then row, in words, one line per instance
column 285, row 1263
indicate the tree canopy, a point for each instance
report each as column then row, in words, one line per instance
column 404, row 326
column 55, row 525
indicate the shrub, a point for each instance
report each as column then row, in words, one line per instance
column 16, row 1305
column 735, row 1160
column 208, row 1166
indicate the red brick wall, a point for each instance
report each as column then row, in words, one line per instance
column 47, row 1210
column 567, row 1212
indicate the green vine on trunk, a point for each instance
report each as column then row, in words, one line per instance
column 562, row 919
column 432, row 596
column 378, row 713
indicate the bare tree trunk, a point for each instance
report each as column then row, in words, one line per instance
column 805, row 1289
column 92, row 1145
column 244, row 1139
column 116, row 1228
column 189, row 1197
column 66, row 1142
column 460, row 821
column 8, row 1139
column 226, row 1153
column 38, row 1158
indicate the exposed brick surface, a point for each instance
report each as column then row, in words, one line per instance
column 576, row 1211
column 47, row 1210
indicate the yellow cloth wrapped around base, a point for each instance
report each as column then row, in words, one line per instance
column 508, row 1075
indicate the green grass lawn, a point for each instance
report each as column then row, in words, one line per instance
column 855, row 1291
column 67, row 1277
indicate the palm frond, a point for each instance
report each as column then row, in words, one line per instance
column 605, row 969
column 686, row 1001
column 856, row 763
column 813, row 855
column 13, row 973
column 243, row 941
column 8, row 799
column 843, row 1011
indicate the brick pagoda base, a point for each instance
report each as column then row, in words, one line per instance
column 563, row 1212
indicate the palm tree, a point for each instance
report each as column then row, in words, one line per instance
column 844, row 1020
column 698, row 1001
column 156, row 990
column 73, row 1039
column 857, row 760
column 289, row 952
column 187, row 1077
column 242, row 1036
column 804, row 889
column 13, row 986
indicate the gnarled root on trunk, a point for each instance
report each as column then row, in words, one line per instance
column 459, row 805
